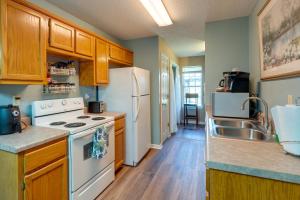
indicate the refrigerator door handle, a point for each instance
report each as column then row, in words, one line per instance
column 138, row 96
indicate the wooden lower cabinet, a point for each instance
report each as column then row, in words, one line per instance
column 119, row 142
column 48, row 183
column 221, row 185
column 35, row 174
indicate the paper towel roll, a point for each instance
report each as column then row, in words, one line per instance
column 287, row 125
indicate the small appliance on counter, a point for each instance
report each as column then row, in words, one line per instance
column 96, row 107
column 226, row 104
column 235, row 82
column 286, row 120
column 229, row 96
column 10, row 120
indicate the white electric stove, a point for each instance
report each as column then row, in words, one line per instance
column 88, row 177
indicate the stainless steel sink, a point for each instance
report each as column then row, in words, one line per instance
column 242, row 133
column 235, row 123
column 239, row 129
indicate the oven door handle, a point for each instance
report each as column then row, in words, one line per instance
column 91, row 131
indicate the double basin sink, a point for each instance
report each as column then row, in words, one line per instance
column 239, row 129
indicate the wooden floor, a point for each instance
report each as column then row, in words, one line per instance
column 177, row 172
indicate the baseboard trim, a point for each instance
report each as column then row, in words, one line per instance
column 156, row 146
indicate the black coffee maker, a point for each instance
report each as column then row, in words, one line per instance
column 10, row 120
column 235, row 82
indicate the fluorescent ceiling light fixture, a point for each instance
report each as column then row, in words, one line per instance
column 158, row 12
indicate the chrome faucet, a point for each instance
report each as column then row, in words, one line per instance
column 266, row 122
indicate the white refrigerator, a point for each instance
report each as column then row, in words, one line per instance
column 129, row 91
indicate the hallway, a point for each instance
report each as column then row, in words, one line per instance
column 175, row 172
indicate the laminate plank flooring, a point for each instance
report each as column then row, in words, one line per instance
column 176, row 172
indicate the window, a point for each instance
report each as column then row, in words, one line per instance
column 192, row 83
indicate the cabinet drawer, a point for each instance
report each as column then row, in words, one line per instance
column 119, row 124
column 84, row 43
column 44, row 155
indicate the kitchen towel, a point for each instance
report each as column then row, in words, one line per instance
column 100, row 143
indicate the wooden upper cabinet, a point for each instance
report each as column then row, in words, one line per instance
column 102, row 75
column 120, row 55
column 116, row 53
column 84, row 43
column 61, row 36
column 129, row 57
column 23, row 40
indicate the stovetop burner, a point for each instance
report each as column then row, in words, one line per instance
column 98, row 118
column 75, row 125
column 57, row 123
column 83, row 117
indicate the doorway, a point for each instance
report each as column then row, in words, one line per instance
column 192, row 83
column 164, row 97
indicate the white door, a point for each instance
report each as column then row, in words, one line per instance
column 141, row 81
column 164, row 97
column 142, row 126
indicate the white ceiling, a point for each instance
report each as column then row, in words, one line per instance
column 128, row 19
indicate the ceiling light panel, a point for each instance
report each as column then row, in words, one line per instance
column 158, row 12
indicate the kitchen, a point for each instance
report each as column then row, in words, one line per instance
column 89, row 92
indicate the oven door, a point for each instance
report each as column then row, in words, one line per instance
column 82, row 166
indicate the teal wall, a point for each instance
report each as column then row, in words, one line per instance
column 274, row 92
column 146, row 56
column 226, row 47
column 34, row 92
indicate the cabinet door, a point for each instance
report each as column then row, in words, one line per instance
column 102, row 76
column 129, row 57
column 23, row 43
column 48, row 183
column 61, row 36
column 119, row 148
column 84, row 44
column 116, row 53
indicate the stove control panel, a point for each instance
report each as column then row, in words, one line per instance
column 47, row 107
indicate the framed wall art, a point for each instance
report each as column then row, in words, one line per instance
column 279, row 37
